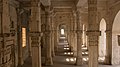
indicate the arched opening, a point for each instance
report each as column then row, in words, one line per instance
column 102, row 41
column 115, row 40
column 62, row 34
column 62, row 31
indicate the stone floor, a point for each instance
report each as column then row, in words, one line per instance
column 60, row 61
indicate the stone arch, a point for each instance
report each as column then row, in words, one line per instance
column 102, row 40
column 115, row 45
column 62, row 26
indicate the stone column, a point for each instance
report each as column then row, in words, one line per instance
column 79, row 41
column 20, row 49
column 93, row 33
column 35, row 33
column 48, row 49
column 48, row 38
column 108, row 47
column 1, row 38
column 79, row 48
column 71, row 35
column 55, row 39
column 52, row 43
column 52, row 36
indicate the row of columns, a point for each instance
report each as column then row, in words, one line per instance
column 36, row 34
column 92, row 33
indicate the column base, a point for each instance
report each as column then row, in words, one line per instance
column 107, row 60
column 49, row 62
column 79, row 61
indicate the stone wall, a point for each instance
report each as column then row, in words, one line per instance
column 9, row 34
column 113, row 12
column 115, row 46
column 9, row 19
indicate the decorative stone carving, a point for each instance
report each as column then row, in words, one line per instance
column 35, row 33
column 93, row 33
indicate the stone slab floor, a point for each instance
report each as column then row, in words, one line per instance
column 60, row 61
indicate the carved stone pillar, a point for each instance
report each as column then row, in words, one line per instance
column 20, row 49
column 71, row 34
column 52, row 36
column 79, row 48
column 79, row 41
column 35, row 33
column 48, row 38
column 48, row 49
column 52, row 43
column 93, row 33
column 55, row 40
column 108, row 47
column 36, row 49
column 74, row 33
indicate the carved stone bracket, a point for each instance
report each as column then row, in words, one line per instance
column 35, row 33
column 79, row 31
column 93, row 33
column 93, row 43
column 108, row 31
column 36, row 37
